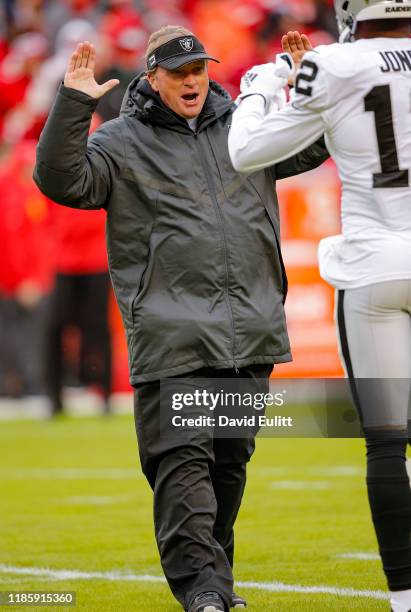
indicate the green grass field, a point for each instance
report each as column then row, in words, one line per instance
column 73, row 498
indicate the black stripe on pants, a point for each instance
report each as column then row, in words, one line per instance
column 342, row 330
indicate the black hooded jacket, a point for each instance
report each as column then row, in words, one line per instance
column 193, row 246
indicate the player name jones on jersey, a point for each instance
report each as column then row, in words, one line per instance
column 395, row 61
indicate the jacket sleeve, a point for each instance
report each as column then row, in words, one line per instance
column 257, row 140
column 288, row 141
column 310, row 158
column 71, row 168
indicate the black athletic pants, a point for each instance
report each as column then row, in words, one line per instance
column 198, row 484
column 22, row 332
column 80, row 300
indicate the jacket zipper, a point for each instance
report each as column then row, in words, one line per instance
column 212, row 190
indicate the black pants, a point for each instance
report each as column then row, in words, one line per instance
column 80, row 300
column 198, row 485
column 22, row 332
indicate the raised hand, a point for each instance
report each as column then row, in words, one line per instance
column 296, row 45
column 80, row 72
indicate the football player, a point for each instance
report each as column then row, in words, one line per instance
column 358, row 94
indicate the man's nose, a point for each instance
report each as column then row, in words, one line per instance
column 190, row 80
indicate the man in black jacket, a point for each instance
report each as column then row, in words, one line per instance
column 196, row 267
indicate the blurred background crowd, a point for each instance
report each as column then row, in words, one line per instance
column 59, row 325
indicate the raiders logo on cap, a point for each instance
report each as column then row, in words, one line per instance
column 186, row 43
column 177, row 52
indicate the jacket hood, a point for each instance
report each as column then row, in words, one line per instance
column 141, row 101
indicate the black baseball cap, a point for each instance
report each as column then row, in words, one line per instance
column 177, row 52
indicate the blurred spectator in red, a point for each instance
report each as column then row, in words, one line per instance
column 17, row 69
column 23, row 16
column 158, row 13
column 28, row 117
column 3, row 48
column 59, row 13
column 25, row 274
column 80, row 299
column 119, row 14
column 125, row 33
column 301, row 15
column 5, row 21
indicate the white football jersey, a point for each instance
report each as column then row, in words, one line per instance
column 359, row 95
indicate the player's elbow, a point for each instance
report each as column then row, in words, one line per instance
column 239, row 158
column 239, row 164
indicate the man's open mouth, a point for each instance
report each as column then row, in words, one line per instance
column 191, row 97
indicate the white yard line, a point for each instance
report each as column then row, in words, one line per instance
column 330, row 471
column 16, row 473
column 94, row 500
column 273, row 587
column 361, row 556
column 337, row 470
column 300, row 485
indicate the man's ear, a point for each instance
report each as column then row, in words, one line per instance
column 152, row 79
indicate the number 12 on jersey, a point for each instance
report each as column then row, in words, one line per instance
column 378, row 101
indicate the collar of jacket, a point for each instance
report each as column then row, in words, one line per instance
column 142, row 101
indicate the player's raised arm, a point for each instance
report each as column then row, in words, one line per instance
column 72, row 169
column 260, row 137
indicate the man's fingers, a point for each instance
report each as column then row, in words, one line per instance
column 72, row 62
column 285, row 44
column 79, row 54
column 86, row 53
column 306, row 42
column 109, row 85
column 292, row 37
column 91, row 58
column 83, row 57
column 298, row 42
column 289, row 39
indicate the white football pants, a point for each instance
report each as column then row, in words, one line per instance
column 374, row 329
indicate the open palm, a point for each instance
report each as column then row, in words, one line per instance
column 297, row 45
column 80, row 72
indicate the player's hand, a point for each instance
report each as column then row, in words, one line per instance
column 266, row 80
column 296, row 45
column 80, row 72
